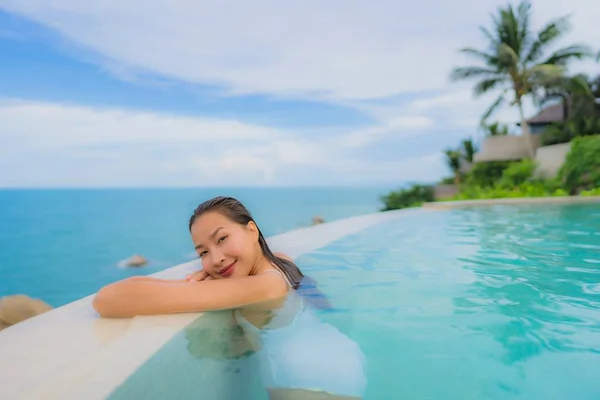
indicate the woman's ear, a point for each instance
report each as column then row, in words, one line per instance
column 253, row 230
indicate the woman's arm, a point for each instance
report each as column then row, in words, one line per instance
column 151, row 279
column 132, row 297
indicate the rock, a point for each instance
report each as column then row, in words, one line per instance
column 318, row 220
column 18, row 308
column 135, row 261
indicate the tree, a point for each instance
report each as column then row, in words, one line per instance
column 468, row 149
column 515, row 62
column 496, row 129
column 577, row 94
column 453, row 158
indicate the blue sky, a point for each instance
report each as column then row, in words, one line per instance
column 224, row 93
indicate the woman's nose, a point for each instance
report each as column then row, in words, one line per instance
column 218, row 257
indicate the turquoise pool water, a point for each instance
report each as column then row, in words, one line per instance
column 485, row 303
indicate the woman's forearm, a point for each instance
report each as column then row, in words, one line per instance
column 133, row 297
column 151, row 279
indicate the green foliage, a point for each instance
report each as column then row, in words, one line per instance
column 529, row 189
column 496, row 129
column 410, row 197
column 447, row 181
column 468, row 150
column 453, row 160
column 517, row 173
column 486, row 174
column 581, row 170
column 508, row 180
column 555, row 134
column 591, row 192
column 566, row 131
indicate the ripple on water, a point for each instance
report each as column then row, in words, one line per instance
column 498, row 302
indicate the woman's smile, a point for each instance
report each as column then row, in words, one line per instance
column 228, row 270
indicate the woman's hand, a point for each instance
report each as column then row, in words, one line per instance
column 198, row 276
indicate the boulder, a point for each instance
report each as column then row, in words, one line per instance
column 318, row 220
column 18, row 308
column 135, row 261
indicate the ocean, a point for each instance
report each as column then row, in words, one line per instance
column 60, row 245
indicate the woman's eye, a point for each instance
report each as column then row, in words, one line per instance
column 222, row 239
column 201, row 254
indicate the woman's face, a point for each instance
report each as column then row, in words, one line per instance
column 226, row 249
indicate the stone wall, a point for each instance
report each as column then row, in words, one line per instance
column 444, row 191
column 550, row 159
column 502, row 148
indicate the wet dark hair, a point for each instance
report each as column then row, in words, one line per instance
column 235, row 211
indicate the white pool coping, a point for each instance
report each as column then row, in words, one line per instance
column 71, row 353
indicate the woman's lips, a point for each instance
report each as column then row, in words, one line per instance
column 228, row 270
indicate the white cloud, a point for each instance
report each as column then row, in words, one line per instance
column 460, row 97
column 373, row 56
column 49, row 144
column 339, row 49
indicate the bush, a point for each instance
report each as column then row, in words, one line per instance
column 581, row 170
column 486, row 174
column 555, row 134
column 411, row 197
column 529, row 189
column 591, row 192
column 517, row 173
column 448, row 181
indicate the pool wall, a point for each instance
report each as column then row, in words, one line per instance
column 70, row 352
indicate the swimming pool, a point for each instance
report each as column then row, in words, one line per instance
column 499, row 302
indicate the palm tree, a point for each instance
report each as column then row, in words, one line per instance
column 579, row 97
column 453, row 158
column 468, row 150
column 515, row 62
column 576, row 93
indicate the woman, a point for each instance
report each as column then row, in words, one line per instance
column 241, row 273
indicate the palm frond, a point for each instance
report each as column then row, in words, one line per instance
column 544, row 74
column 566, row 54
column 547, row 35
column 523, row 28
column 493, row 107
column 462, row 73
column 453, row 160
column 490, row 60
column 513, row 27
column 489, row 84
column 580, row 85
column 493, row 40
column 508, row 57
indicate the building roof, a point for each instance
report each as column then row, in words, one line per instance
column 553, row 113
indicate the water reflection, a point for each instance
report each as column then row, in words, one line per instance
column 274, row 350
column 299, row 355
column 532, row 295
